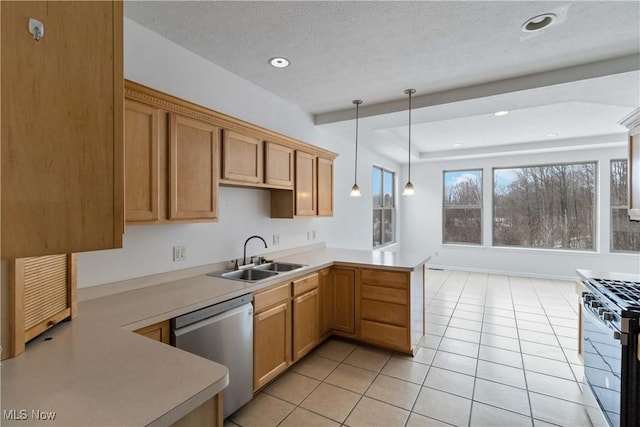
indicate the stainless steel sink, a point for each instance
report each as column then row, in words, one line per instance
column 246, row 275
column 278, row 266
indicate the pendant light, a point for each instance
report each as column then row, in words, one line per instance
column 408, row 188
column 355, row 190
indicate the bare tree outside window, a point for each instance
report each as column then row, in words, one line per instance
column 550, row 207
column 625, row 234
column 462, row 207
column 384, row 196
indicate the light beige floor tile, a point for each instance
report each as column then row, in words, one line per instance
column 423, row 355
column 431, row 341
column 335, row 350
column 228, row 423
column 499, row 320
column 462, row 334
column 498, row 341
column 502, row 396
column 554, row 386
column 488, row 416
column 372, row 413
column 443, row 406
column 394, row 391
column 543, row 350
column 302, row 418
column 434, row 328
column 498, row 355
column 292, row 387
column 538, row 337
column 566, row 322
column 455, row 362
column 367, row 357
column 531, row 317
column 262, row 411
column 406, row 370
column 568, row 343
column 535, row 326
column 566, row 332
column 578, row 372
column 331, row 401
column 558, row 411
column 504, row 331
column 478, row 307
column 467, row 315
column 451, row 382
column 315, row 367
column 547, row 366
column 538, row 423
column 436, row 319
column 464, row 348
column 501, row 373
column 471, row 325
column 500, row 312
column 351, row 378
column 417, row 420
column 572, row 356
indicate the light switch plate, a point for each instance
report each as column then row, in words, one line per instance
column 179, row 253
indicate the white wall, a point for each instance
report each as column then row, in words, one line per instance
column 156, row 62
column 421, row 221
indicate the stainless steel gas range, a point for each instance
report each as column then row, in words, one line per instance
column 610, row 328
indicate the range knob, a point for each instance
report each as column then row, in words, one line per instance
column 595, row 304
column 607, row 315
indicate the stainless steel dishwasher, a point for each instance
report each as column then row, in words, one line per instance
column 223, row 333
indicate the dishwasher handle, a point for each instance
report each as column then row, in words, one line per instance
column 246, row 310
column 213, row 310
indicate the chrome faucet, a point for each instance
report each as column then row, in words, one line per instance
column 244, row 256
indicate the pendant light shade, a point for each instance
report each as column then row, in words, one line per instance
column 408, row 188
column 355, row 190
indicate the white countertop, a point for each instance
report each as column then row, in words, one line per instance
column 95, row 372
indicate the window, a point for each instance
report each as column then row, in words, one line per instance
column 462, row 206
column 625, row 234
column 384, row 201
column 549, row 207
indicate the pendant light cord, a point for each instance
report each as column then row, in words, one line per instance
column 355, row 178
column 410, row 92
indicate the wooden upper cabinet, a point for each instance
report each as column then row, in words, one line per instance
column 193, row 171
column 242, row 158
column 325, row 187
column 142, row 178
column 279, row 165
column 61, row 137
column 305, row 184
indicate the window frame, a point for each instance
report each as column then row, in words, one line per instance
column 382, row 208
column 596, row 204
column 612, row 207
column 481, row 207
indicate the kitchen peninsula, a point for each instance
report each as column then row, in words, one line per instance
column 94, row 371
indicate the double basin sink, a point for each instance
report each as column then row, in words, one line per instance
column 257, row 272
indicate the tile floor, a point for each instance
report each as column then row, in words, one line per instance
column 499, row 351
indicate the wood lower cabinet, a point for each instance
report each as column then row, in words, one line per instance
column 62, row 184
column 209, row 414
column 242, row 158
column 326, row 289
column 271, row 334
column 306, row 315
column 160, row 331
column 344, row 300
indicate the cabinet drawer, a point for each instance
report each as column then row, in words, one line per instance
column 395, row 314
column 305, row 284
column 389, row 279
column 266, row 299
column 388, row 335
column 377, row 293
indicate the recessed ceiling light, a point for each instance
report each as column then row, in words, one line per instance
column 501, row 113
column 279, row 62
column 551, row 135
column 539, row 22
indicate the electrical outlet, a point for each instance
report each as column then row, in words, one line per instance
column 276, row 239
column 179, row 253
column 313, row 234
column 308, row 235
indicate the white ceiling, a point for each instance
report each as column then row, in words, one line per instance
column 466, row 59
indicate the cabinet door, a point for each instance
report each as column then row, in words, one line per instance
column 141, row 162
column 242, row 158
column 279, row 165
column 271, row 343
column 158, row 332
column 62, row 112
column 305, row 323
column 344, row 300
column 326, row 302
column 305, row 188
column 193, row 177
column 325, row 187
